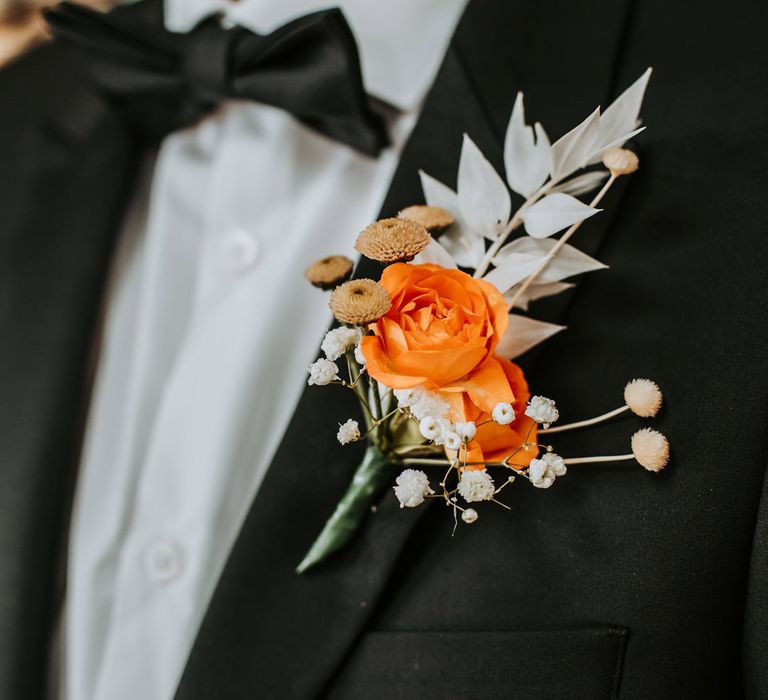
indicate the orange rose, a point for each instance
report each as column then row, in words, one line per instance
column 439, row 333
column 494, row 442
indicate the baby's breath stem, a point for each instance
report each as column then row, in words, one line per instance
column 585, row 423
column 354, row 375
column 377, row 398
column 604, row 458
column 377, row 422
column 425, row 462
column 559, row 245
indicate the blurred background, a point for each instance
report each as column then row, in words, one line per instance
column 22, row 25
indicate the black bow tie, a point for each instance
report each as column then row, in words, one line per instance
column 165, row 80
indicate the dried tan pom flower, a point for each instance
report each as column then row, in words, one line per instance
column 651, row 449
column 620, row 161
column 329, row 272
column 392, row 240
column 643, row 397
column 434, row 219
column 359, row 302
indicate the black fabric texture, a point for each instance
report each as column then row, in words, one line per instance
column 613, row 583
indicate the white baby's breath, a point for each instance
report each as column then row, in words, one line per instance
column 544, row 471
column 503, row 413
column 429, row 428
column 322, row 372
column 359, row 356
column 466, row 431
column 412, row 487
column 421, row 403
column 451, row 440
column 542, row 410
column 540, row 474
column 475, row 486
column 469, row 516
column 445, row 431
column 555, row 463
column 404, row 397
column 348, row 432
column 339, row 340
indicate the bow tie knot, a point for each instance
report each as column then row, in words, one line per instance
column 165, row 80
column 206, row 63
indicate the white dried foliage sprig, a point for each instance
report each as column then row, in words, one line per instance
column 547, row 175
column 413, row 427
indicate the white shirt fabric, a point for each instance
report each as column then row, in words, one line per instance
column 209, row 329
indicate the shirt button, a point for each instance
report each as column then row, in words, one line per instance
column 239, row 250
column 164, row 560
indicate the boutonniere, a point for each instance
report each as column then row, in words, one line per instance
column 428, row 348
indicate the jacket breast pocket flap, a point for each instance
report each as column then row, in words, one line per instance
column 521, row 665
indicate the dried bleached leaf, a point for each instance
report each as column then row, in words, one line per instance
column 581, row 184
column 523, row 333
column 573, row 150
column 484, row 200
column 436, row 194
column 568, row 262
column 467, row 250
column 554, row 213
column 598, row 154
column 526, row 154
column 466, row 247
column 435, row 254
column 506, row 276
column 619, row 122
column 536, row 292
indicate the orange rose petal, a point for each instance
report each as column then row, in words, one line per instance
column 379, row 367
column 487, row 385
column 393, row 337
column 441, row 366
column 441, row 327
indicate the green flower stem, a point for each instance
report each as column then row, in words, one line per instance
column 355, row 382
column 372, row 474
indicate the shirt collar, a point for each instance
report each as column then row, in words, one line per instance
column 401, row 42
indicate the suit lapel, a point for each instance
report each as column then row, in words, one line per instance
column 293, row 630
column 65, row 171
column 268, row 631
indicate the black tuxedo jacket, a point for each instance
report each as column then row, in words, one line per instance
column 614, row 583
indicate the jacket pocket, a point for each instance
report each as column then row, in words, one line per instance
column 552, row 664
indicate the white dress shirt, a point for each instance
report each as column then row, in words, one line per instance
column 209, row 329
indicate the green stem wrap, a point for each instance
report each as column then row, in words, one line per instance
column 372, row 474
